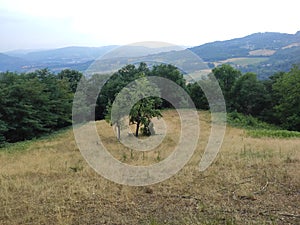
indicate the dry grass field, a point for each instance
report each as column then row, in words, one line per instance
column 252, row 181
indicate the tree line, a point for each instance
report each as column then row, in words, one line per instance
column 40, row 102
column 35, row 103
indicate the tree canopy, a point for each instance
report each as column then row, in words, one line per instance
column 287, row 109
column 33, row 104
column 40, row 102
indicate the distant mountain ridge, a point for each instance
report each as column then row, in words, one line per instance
column 75, row 57
column 241, row 47
column 68, row 53
column 11, row 63
column 262, row 53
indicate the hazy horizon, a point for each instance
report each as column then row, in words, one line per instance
column 42, row 25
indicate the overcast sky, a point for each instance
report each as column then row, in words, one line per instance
column 42, row 24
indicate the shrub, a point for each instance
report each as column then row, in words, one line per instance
column 249, row 122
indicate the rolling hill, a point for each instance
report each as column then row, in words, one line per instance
column 11, row 63
column 262, row 53
column 243, row 47
column 78, row 58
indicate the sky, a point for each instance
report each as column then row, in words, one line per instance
column 45, row 24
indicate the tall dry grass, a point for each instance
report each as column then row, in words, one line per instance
column 252, row 181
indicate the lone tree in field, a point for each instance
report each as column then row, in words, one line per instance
column 142, row 113
column 146, row 106
column 136, row 101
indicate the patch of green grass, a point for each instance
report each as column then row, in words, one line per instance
column 273, row 133
column 16, row 147
column 257, row 128
column 24, row 145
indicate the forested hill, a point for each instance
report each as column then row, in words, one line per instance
column 246, row 46
column 261, row 53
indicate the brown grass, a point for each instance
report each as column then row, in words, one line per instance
column 252, row 181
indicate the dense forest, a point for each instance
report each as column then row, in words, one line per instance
column 40, row 102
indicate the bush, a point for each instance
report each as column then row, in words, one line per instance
column 248, row 122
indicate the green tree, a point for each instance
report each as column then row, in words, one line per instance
column 142, row 113
column 33, row 104
column 249, row 95
column 272, row 99
column 172, row 73
column 4, row 78
column 3, row 129
column 226, row 76
column 17, row 109
column 144, row 107
column 287, row 89
column 114, row 85
column 198, row 96
column 59, row 99
column 72, row 76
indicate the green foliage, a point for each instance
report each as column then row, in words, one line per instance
column 247, row 121
column 3, row 129
column 172, row 73
column 40, row 102
column 257, row 128
column 226, row 76
column 144, row 107
column 198, row 96
column 16, row 147
column 248, row 95
column 142, row 113
column 287, row 108
column 33, row 104
column 114, row 85
column 275, row 100
column 72, row 77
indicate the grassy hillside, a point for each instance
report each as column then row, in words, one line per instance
column 252, row 181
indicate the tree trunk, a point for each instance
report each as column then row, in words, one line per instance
column 118, row 132
column 137, row 129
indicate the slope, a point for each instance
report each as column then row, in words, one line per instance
column 252, row 181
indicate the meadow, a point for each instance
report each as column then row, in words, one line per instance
column 254, row 180
column 244, row 61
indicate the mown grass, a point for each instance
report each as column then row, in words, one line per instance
column 252, row 181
